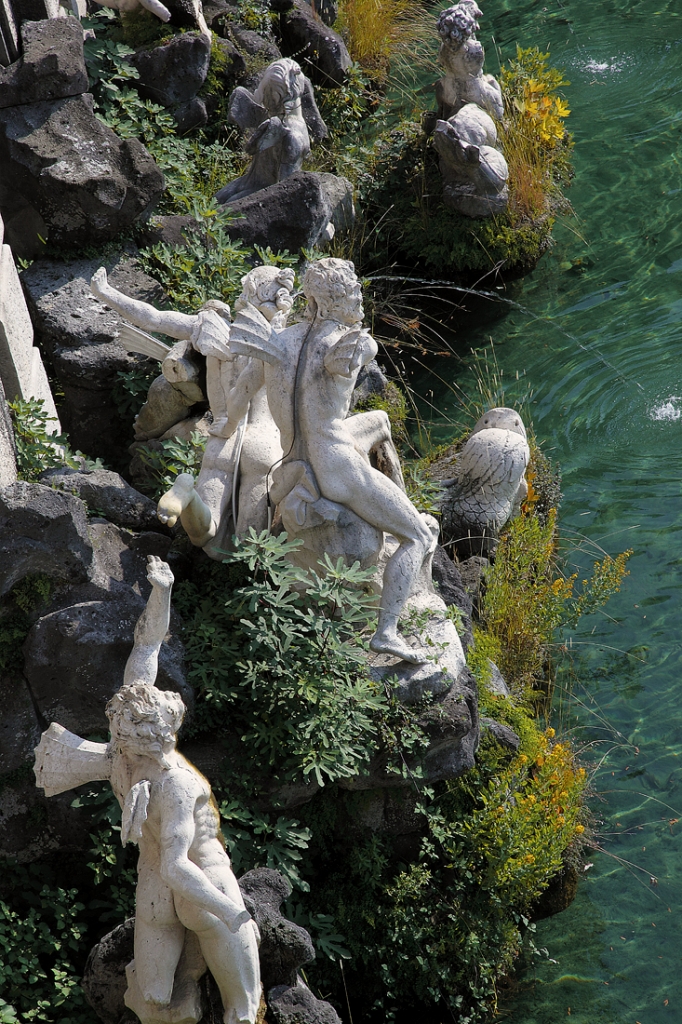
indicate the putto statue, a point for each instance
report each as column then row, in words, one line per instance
column 310, row 373
column 474, row 171
column 157, row 8
column 243, row 445
column 462, row 57
column 189, row 912
column 489, row 484
column 283, row 115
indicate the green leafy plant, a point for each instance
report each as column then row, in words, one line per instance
column 131, row 387
column 37, row 449
column 174, row 456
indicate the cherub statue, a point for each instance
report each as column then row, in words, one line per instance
column 474, row 171
column 189, row 912
column 310, row 373
column 283, row 113
column 243, row 444
column 463, row 56
column 157, row 8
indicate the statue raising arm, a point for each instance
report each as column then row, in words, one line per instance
column 152, row 626
column 142, row 314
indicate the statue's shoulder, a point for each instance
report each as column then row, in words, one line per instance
column 182, row 781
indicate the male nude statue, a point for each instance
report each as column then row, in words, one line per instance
column 187, row 895
column 310, row 372
column 230, row 494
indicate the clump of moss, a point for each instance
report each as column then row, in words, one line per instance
column 393, row 402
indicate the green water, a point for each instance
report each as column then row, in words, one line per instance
column 601, row 352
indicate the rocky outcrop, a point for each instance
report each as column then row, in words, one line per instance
column 172, row 74
column 284, row 948
column 319, row 50
column 85, row 183
column 294, row 213
column 8, row 465
column 75, row 655
column 78, row 335
column 107, row 494
column 51, row 66
column 42, row 531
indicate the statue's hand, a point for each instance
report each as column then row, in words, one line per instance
column 159, row 573
column 98, row 281
column 346, row 356
column 235, row 923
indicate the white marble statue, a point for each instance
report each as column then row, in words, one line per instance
column 462, row 57
column 489, row 483
column 189, row 912
column 157, row 8
column 283, row 115
column 310, row 373
column 230, row 494
column 474, row 171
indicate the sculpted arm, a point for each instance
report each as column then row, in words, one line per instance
column 353, row 350
column 248, row 383
column 178, row 794
column 152, row 626
column 142, row 314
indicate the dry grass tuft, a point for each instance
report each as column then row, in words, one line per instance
column 376, row 31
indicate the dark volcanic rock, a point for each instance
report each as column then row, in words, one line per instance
column 285, row 946
column 42, row 531
column 8, row 465
column 294, row 213
column 295, row 1004
column 450, row 587
column 34, row 826
column 502, row 734
column 173, row 73
column 75, row 656
column 106, row 493
column 85, row 183
column 182, row 13
column 319, row 50
column 254, row 45
column 77, row 334
column 19, row 726
column 104, row 978
column 52, row 66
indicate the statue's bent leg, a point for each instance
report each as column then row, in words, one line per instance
column 232, row 958
column 182, row 502
column 371, row 432
column 376, row 499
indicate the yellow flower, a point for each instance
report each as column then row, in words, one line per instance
column 550, row 732
column 580, row 829
column 529, row 859
column 561, row 109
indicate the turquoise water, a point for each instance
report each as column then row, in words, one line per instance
column 600, row 350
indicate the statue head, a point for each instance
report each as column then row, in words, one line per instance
column 283, row 82
column 269, row 289
column 144, row 721
column 333, row 291
column 501, row 418
column 458, row 23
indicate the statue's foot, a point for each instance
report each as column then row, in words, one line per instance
column 174, row 502
column 393, row 643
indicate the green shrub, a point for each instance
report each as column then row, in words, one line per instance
column 37, row 449
column 174, row 457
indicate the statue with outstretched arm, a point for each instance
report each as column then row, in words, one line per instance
column 189, row 912
column 310, row 374
column 230, row 493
